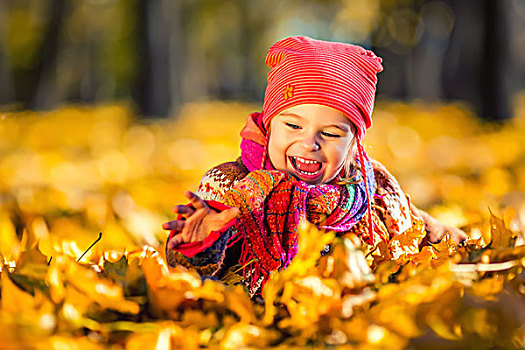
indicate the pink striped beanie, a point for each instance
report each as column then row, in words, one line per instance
column 337, row 75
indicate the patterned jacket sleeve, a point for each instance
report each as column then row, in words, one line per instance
column 212, row 187
column 395, row 209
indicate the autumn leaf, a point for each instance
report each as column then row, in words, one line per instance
column 26, row 310
column 501, row 236
column 102, row 291
column 9, row 244
column 168, row 336
column 406, row 245
column 126, row 272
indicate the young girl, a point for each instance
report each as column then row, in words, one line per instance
column 301, row 159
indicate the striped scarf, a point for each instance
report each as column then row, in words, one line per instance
column 273, row 203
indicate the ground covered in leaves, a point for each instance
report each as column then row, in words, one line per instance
column 78, row 175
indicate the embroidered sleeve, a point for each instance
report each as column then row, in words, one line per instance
column 212, row 187
column 394, row 203
column 220, row 179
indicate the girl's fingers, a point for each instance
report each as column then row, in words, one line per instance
column 175, row 225
column 228, row 214
column 183, row 210
column 195, row 200
column 175, row 241
column 222, row 218
column 459, row 236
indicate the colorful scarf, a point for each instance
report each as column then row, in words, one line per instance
column 273, row 203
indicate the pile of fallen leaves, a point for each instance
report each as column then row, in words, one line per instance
column 75, row 174
column 440, row 296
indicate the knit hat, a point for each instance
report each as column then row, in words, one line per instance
column 333, row 74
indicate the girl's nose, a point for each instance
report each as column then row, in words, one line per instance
column 311, row 143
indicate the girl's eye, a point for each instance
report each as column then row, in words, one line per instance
column 329, row 134
column 293, row 126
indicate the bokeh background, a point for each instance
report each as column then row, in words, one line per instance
column 110, row 109
column 161, row 54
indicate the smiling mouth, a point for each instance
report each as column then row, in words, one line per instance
column 306, row 166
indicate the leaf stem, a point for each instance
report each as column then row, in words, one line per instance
column 91, row 246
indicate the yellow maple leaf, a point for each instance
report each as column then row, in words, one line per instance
column 102, row 291
column 501, row 236
column 25, row 309
column 406, row 245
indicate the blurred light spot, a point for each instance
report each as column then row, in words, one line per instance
column 452, row 187
column 496, row 181
column 375, row 334
column 39, row 227
column 403, row 142
column 164, row 339
column 47, row 322
column 70, row 312
column 438, row 19
column 104, row 135
column 96, row 208
column 143, row 225
column 104, row 289
column 139, row 143
column 420, row 189
column 520, row 176
column 442, row 150
column 123, row 204
column 476, row 155
column 67, row 175
column 114, row 167
column 317, row 286
column 356, row 19
column 186, row 153
column 450, row 215
column 405, row 27
column 70, row 247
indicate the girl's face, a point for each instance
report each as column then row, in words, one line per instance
column 310, row 142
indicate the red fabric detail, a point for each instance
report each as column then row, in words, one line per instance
column 193, row 248
column 333, row 74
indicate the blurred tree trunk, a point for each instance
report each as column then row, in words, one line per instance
column 477, row 65
column 160, row 51
column 495, row 89
column 247, row 41
column 40, row 91
column 177, row 53
column 6, row 87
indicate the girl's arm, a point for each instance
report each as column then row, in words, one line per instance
column 206, row 221
column 436, row 230
column 398, row 210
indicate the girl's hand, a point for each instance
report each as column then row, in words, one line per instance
column 436, row 230
column 199, row 221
